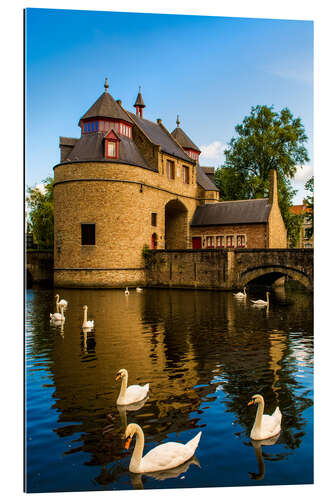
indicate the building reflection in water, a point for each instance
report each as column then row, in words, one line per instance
column 187, row 345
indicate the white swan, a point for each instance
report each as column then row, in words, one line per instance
column 126, row 291
column 61, row 302
column 241, row 295
column 58, row 317
column 161, row 475
column 87, row 324
column 131, row 394
column 265, row 426
column 162, row 457
column 138, row 289
column 262, row 302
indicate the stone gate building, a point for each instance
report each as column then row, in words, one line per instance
column 127, row 184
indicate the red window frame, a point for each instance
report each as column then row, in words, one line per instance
column 107, row 148
column 232, row 240
column 220, row 238
column 241, row 237
column 209, row 239
column 186, row 174
column 170, row 169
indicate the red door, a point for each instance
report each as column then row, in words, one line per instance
column 154, row 241
column 196, row 242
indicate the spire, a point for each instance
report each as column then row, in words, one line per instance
column 139, row 104
column 178, row 121
column 106, row 85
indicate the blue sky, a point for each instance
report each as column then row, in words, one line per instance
column 209, row 70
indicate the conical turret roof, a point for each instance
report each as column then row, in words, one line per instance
column 184, row 139
column 139, row 100
column 106, row 107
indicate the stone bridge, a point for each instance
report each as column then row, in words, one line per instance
column 39, row 266
column 227, row 269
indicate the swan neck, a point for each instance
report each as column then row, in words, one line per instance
column 260, row 412
column 138, row 450
column 123, row 385
column 85, row 316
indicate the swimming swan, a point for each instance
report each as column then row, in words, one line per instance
column 57, row 316
column 87, row 324
column 265, row 426
column 61, row 302
column 131, row 394
column 138, row 289
column 162, row 457
column 126, row 291
column 262, row 302
column 241, row 295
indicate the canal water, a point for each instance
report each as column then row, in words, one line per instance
column 204, row 353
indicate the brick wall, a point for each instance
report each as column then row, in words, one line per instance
column 255, row 234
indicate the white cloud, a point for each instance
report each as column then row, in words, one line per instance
column 303, row 173
column 212, row 153
column 41, row 188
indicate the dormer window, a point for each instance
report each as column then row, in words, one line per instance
column 111, row 145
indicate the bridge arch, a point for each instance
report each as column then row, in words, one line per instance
column 175, row 225
column 277, row 271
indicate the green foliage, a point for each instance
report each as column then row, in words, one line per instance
column 266, row 140
column 309, row 200
column 40, row 213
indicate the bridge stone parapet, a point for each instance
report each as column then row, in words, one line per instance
column 227, row 269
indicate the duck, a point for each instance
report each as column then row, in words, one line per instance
column 58, row 317
column 61, row 302
column 261, row 302
column 138, row 289
column 241, row 295
column 126, row 291
column 87, row 324
column 265, row 426
column 163, row 457
column 131, row 394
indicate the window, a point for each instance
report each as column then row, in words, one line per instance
column 240, row 241
column 154, row 219
column 170, row 168
column 186, row 175
column 209, row 241
column 101, row 125
column 111, row 149
column 87, row 234
column 230, row 241
column 86, row 127
column 219, row 242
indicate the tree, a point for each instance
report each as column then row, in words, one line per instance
column 266, row 140
column 40, row 213
column 309, row 201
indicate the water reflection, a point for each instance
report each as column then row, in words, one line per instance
column 258, row 476
column 204, row 354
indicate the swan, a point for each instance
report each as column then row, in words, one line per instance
column 241, row 295
column 138, row 289
column 162, row 457
column 161, row 475
column 126, row 291
column 87, row 324
column 58, row 317
column 265, row 426
column 61, row 302
column 131, row 394
column 262, row 302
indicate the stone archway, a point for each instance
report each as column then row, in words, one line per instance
column 176, row 225
column 275, row 272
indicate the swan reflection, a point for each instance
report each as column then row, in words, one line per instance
column 136, row 479
column 258, row 476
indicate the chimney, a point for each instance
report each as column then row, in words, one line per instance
column 273, row 189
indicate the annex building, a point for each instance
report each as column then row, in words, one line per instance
column 127, row 183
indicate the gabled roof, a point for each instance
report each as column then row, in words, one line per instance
column 90, row 147
column 106, row 107
column 204, row 181
column 232, row 212
column 159, row 136
column 184, row 139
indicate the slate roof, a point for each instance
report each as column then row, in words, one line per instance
column 106, row 107
column 183, row 139
column 204, row 181
column 90, row 147
column 159, row 136
column 208, row 170
column 232, row 212
column 67, row 141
